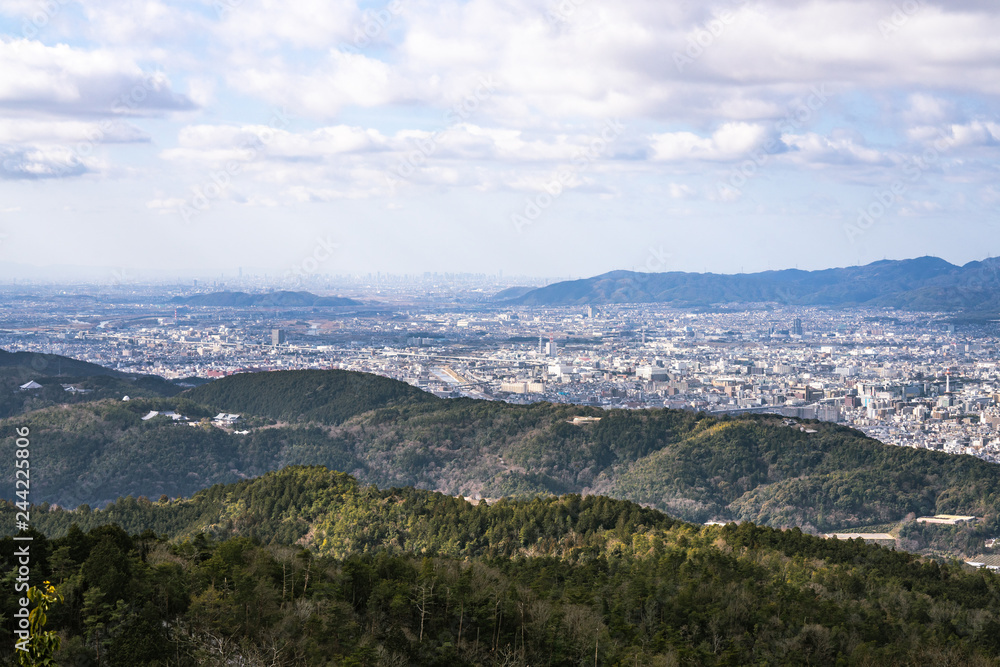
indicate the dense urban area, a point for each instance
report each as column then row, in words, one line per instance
column 914, row 379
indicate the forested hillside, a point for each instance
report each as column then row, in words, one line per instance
column 923, row 283
column 279, row 299
column 329, row 397
column 52, row 371
column 409, row 577
column 693, row 466
column 330, row 513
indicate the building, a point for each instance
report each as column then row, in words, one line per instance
column 806, row 393
column 277, row 337
column 946, row 519
column 168, row 413
column 558, row 370
column 225, row 418
column 652, row 373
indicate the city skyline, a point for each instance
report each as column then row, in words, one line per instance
column 534, row 138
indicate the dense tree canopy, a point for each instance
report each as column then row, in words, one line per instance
column 408, row 577
column 690, row 465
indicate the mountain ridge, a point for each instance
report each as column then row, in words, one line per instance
column 281, row 298
column 923, row 283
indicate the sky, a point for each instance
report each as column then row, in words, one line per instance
column 534, row 137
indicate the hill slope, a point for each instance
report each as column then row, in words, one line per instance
column 52, row 371
column 329, row 397
column 925, row 283
column 332, row 514
column 691, row 465
column 408, row 577
column 280, row 299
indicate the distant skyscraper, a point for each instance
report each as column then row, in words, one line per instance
column 797, row 327
column 277, row 337
column 551, row 348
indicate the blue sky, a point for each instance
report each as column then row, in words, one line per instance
column 537, row 137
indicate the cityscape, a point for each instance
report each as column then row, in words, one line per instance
column 913, row 379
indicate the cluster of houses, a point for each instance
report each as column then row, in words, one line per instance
column 221, row 419
column 31, row 385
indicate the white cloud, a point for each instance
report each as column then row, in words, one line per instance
column 371, row 91
column 60, row 79
column 975, row 133
column 341, row 79
column 303, row 194
column 927, row 109
column 134, row 22
column 917, row 208
column 214, row 144
column 32, row 163
column 168, row 205
column 265, row 25
column 730, row 142
column 812, row 148
column 35, row 131
column 680, row 191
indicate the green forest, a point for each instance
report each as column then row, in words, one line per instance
column 411, row 577
column 690, row 465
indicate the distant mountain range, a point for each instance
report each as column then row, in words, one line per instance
column 925, row 283
column 282, row 299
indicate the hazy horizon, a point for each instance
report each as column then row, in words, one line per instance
column 254, row 279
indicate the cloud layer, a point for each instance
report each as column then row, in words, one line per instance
column 795, row 111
